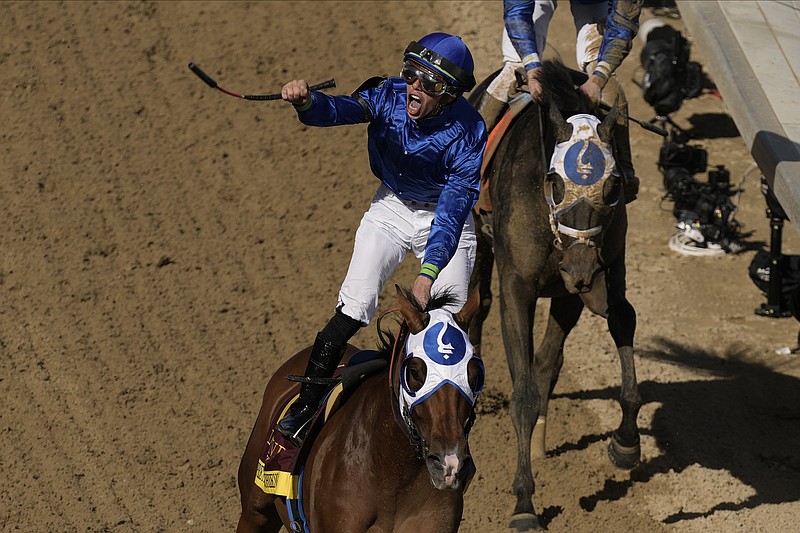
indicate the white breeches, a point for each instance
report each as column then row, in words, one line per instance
column 587, row 46
column 388, row 231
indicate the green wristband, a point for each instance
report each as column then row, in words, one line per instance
column 430, row 271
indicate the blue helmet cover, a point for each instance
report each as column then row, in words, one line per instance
column 447, row 55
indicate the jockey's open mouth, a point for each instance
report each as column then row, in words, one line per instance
column 424, row 90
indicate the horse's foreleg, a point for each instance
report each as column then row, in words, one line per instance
column 259, row 514
column 517, row 307
column 440, row 512
column 482, row 278
column 564, row 314
column 624, row 449
column 265, row 521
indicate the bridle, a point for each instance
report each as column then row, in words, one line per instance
column 581, row 163
column 403, row 417
column 583, row 237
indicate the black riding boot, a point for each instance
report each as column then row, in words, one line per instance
column 622, row 143
column 324, row 359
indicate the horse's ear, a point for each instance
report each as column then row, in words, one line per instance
column 416, row 319
column 464, row 316
column 561, row 128
column 606, row 127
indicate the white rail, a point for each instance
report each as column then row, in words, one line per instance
column 752, row 52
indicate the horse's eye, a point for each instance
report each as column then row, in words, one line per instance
column 556, row 186
column 416, row 372
column 476, row 375
column 611, row 190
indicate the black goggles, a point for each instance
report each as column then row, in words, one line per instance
column 430, row 84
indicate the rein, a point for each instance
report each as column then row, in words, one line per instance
column 579, row 236
column 403, row 419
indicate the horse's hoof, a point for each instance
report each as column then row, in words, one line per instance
column 625, row 457
column 524, row 522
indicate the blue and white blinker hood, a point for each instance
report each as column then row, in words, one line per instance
column 447, row 352
column 583, row 164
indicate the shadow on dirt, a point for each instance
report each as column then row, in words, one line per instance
column 712, row 126
column 742, row 417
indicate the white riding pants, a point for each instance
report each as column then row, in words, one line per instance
column 388, row 231
column 587, row 46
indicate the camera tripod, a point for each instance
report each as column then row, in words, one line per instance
column 773, row 308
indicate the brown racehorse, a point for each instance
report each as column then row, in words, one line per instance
column 370, row 469
column 559, row 228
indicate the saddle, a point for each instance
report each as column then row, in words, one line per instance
column 280, row 465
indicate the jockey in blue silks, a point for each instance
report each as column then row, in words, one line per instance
column 425, row 144
column 605, row 30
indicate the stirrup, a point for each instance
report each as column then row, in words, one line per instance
column 295, row 426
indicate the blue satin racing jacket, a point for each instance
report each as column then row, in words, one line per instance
column 433, row 160
column 622, row 25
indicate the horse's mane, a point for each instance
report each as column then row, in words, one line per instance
column 559, row 89
column 386, row 338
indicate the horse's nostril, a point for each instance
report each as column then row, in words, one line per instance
column 434, row 460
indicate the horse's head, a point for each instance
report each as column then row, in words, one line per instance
column 438, row 380
column 582, row 189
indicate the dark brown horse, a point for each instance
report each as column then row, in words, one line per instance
column 559, row 230
column 395, row 456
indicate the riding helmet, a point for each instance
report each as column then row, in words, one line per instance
column 447, row 55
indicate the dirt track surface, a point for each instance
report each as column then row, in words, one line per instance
column 165, row 247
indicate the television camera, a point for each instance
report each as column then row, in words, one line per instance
column 704, row 209
column 700, row 206
column 669, row 77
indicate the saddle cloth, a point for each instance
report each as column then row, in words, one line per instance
column 280, row 464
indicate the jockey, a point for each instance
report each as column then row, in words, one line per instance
column 605, row 33
column 425, row 144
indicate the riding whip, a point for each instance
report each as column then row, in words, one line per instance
column 646, row 125
column 579, row 78
column 213, row 84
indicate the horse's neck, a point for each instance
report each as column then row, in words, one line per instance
column 529, row 143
